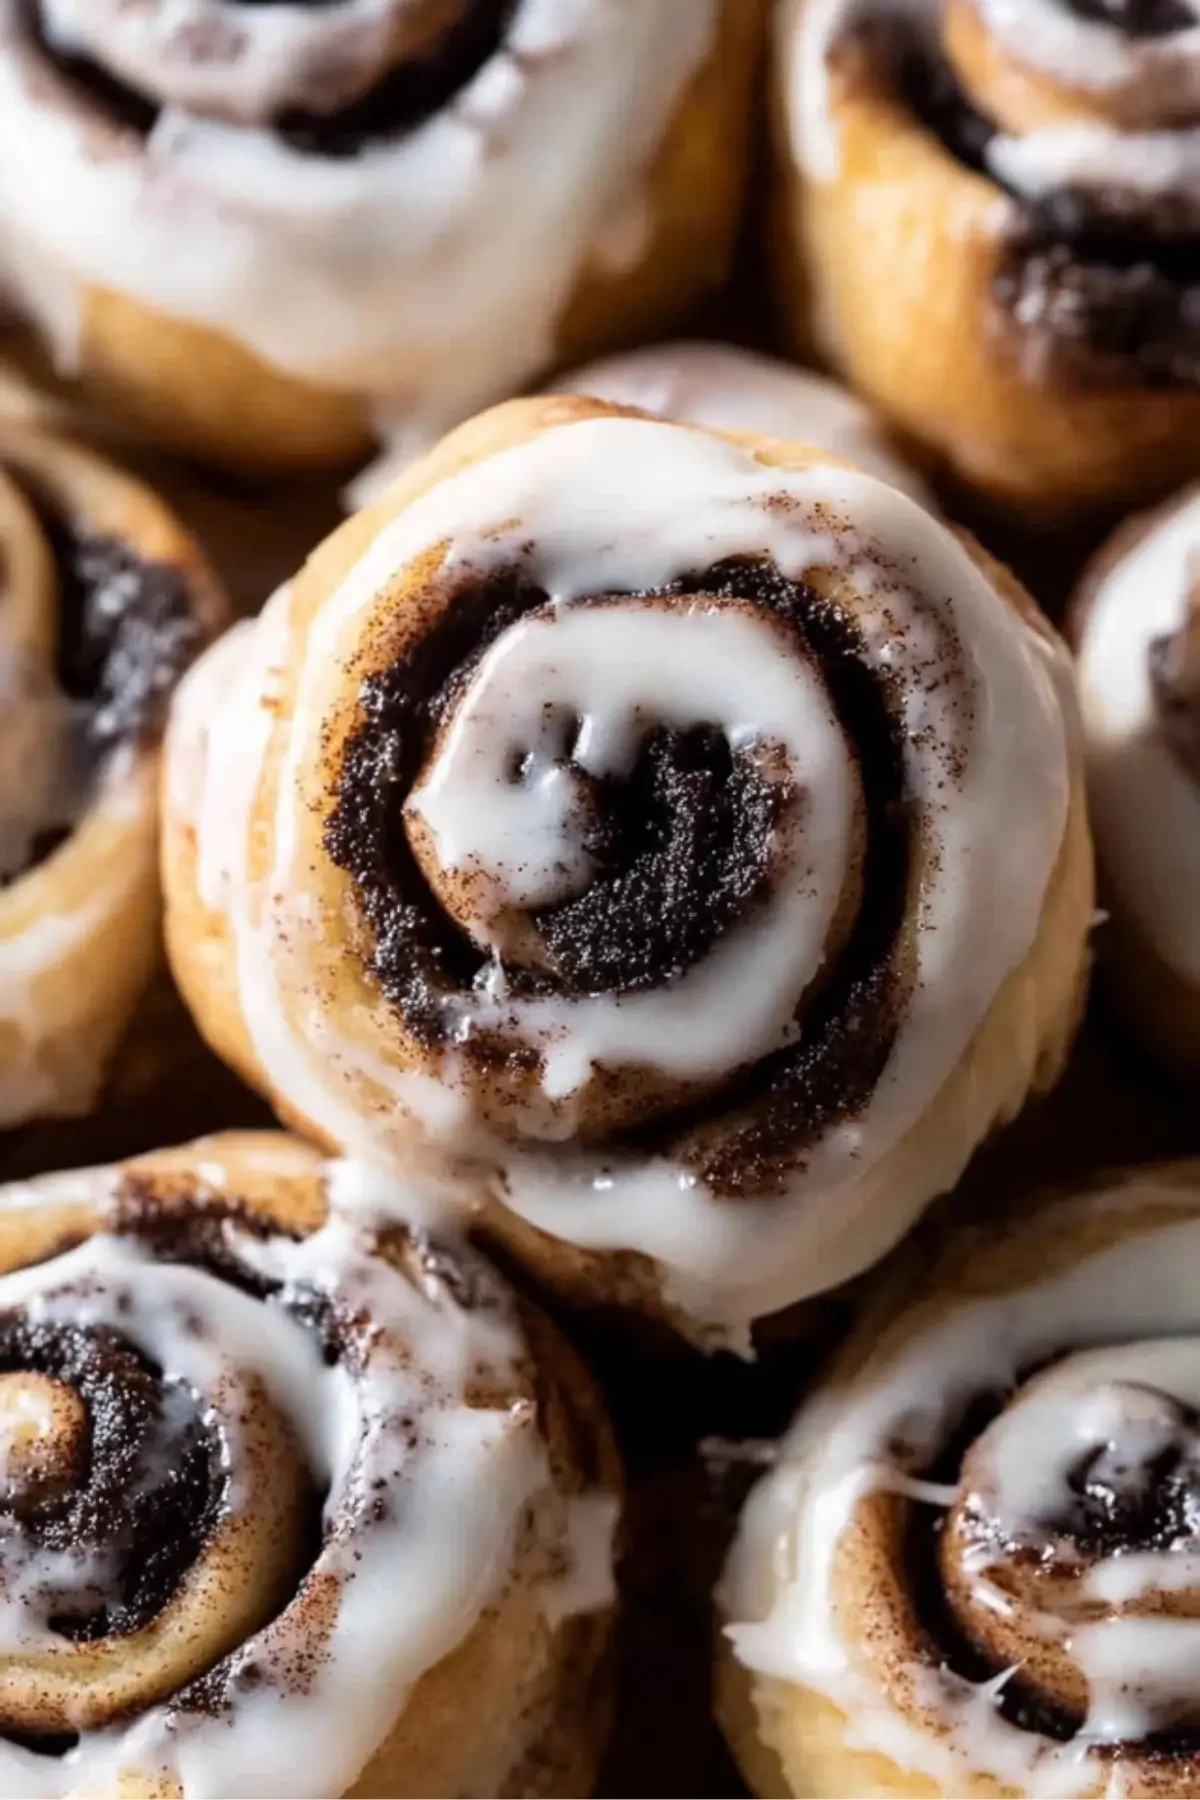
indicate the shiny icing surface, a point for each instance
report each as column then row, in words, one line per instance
column 728, row 389
column 1106, row 1608
column 985, row 768
column 360, row 272
column 1145, row 806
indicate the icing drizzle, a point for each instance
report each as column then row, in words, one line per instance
column 984, row 768
column 1069, row 1548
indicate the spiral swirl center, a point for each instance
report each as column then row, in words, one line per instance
column 1072, row 1553
column 508, row 822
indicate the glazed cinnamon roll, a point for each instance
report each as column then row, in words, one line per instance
column 264, row 233
column 104, row 601
column 729, row 389
column 1136, row 624
column 975, row 1567
column 992, row 217
column 298, row 1497
column 675, row 842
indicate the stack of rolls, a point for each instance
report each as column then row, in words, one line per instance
column 643, row 855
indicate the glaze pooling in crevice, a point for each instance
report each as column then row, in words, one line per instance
column 1085, row 1493
column 361, row 271
column 928, row 644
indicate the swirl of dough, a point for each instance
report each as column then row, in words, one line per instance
column 1036, row 164
column 103, row 603
column 286, row 214
column 1136, row 621
column 643, row 858
column 287, row 1485
column 976, row 1564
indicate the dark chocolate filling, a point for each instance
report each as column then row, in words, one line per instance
column 398, row 103
column 684, row 855
column 1094, row 285
column 128, row 629
column 1175, row 680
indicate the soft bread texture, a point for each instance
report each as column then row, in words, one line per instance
column 887, row 266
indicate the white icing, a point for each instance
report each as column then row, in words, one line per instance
column 621, row 670
column 1093, row 156
column 364, row 272
column 1145, row 809
column 1087, row 54
column 728, row 389
column 216, row 56
column 992, row 834
column 409, row 1419
column 587, row 1583
column 779, row 1588
column 1047, row 38
column 805, row 33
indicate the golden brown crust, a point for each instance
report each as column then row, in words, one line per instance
column 891, row 267
column 70, row 1001
column 200, row 393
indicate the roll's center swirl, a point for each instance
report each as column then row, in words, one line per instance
column 1071, row 1556
column 638, row 797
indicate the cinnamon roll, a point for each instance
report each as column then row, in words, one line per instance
column 729, row 389
column 674, row 841
column 297, row 1496
column 975, row 1567
column 1136, row 624
column 263, row 233
column 991, row 211
column 104, row 601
